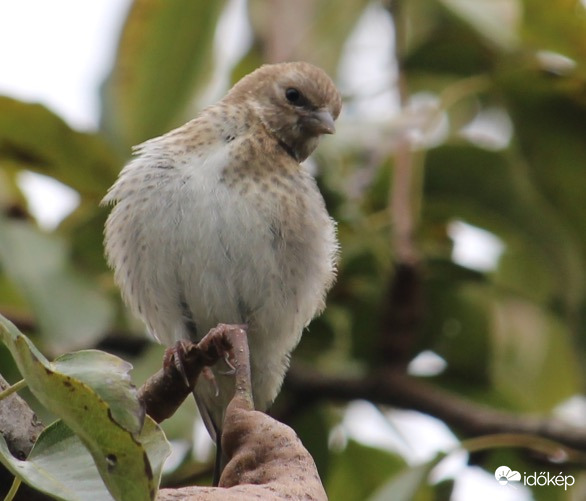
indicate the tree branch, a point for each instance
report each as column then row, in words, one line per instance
column 20, row 428
column 396, row 389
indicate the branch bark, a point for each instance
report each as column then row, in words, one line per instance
column 394, row 388
column 20, row 428
column 266, row 459
column 18, row 424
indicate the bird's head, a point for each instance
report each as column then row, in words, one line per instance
column 297, row 103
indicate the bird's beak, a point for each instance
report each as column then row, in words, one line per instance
column 322, row 122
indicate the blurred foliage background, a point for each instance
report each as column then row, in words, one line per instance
column 474, row 123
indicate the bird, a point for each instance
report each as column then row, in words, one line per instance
column 218, row 221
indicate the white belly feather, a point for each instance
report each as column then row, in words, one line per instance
column 192, row 239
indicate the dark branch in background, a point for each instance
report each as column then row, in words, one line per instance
column 23, row 323
column 403, row 315
column 402, row 318
column 117, row 341
column 17, row 212
column 394, row 388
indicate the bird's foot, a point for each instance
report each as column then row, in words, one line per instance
column 176, row 356
column 190, row 359
column 231, row 369
column 216, row 343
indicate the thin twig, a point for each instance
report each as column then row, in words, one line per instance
column 12, row 389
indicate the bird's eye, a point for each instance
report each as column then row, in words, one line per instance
column 294, row 96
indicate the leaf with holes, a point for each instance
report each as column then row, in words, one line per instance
column 106, row 421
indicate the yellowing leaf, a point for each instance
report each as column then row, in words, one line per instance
column 119, row 455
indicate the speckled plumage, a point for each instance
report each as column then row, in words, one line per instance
column 217, row 222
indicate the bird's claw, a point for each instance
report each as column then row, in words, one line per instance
column 209, row 375
column 231, row 369
column 213, row 346
column 175, row 355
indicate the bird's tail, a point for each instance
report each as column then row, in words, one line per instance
column 215, row 432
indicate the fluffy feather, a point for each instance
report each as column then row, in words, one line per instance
column 217, row 222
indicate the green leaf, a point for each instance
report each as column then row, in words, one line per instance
column 117, row 451
column 534, row 363
column 61, row 466
column 496, row 20
column 492, row 191
column 524, row 272
column 457, row 324
column 409, row 485
column 554, row 111
column 164, row 57
column 556, row 26
column 69, row 308
column 438, row 46
column 32, row 135
column 108, row 376
column 358, row 470
column 312, row 429
column 84, row 228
